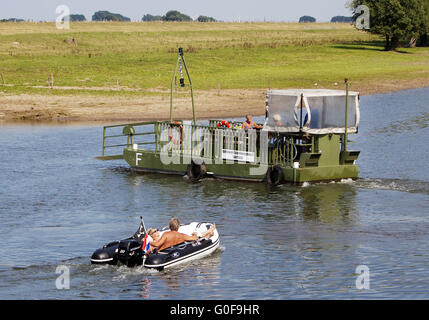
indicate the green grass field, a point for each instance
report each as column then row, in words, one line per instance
column 142, row 56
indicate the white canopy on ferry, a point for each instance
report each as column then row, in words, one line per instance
column 323, row 111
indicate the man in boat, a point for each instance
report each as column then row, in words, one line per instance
column 154, row 234
column 249, row 124
column 174, row 237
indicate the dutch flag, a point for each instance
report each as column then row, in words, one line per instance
column 146, row 244
column 142, row 237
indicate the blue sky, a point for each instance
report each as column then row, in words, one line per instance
column 226, row 10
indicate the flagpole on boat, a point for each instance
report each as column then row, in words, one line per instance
column 144, row 228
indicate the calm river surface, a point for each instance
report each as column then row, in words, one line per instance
column 58, row 204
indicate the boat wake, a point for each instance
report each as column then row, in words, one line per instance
column 402, row 185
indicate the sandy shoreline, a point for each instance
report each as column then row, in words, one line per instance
column 226, row 103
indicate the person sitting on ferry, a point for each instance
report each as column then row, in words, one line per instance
column 249, row 124
column 174, row 237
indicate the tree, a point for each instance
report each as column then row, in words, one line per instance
column 174, row 15
column 149, row 17
column 307, row 19
column 108, row 16
column 342, row 19
column 425, row 31
column 12, row 20
column 396, row 20
column 77, row 17
column 206, row 19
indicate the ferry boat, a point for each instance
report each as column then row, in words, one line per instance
column 304, row 138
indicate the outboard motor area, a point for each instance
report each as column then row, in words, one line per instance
column 127, row 251
column 130, row 252
column 106, row 255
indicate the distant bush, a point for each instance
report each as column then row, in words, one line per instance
column 307, row 19
column 12, row 20
column 342, row 19
column 108, row 16
column 206, row 19
column 77, row 17
column 149, row 17
column 174, row 15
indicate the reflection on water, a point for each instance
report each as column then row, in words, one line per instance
column 58, row 204
column 335, row 203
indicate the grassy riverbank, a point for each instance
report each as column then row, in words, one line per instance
column 123, row 70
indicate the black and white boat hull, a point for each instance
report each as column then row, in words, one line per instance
column 182, row 253
column 129, row 251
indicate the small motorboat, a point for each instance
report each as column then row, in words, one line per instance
column 130, row 252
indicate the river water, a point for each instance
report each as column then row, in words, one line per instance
column 58, row 204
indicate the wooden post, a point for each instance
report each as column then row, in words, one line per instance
column 52, row 80
column 2, row 79
column 218, row 88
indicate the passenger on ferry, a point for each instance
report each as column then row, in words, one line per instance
column 277, row 120
column 249, row 124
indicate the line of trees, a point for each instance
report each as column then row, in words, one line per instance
column 99, row 16
column 398, row 21
column 77, row 17
column 305, row 19
column 108, row 16
column 335, row 19
column 206, row 19
column 342, row 19
column 149, row 17
column 12, row 20
column 174, row 15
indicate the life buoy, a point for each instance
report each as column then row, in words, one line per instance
column 224, row 124
column 274, row 175
column 170, row 133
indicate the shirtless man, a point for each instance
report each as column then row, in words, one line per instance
column 249, row 124
column 173, row 237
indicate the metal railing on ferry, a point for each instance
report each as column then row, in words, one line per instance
column 205, row 141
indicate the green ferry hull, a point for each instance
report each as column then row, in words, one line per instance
column 145, row 161
column 318, row 174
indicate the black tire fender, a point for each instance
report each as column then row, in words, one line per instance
column 196, row 172
column 274, row 175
